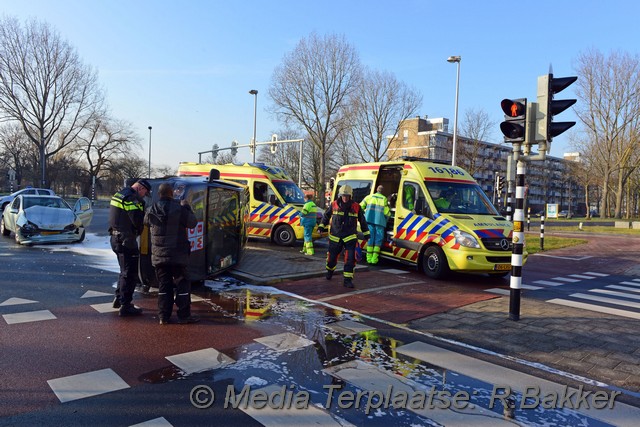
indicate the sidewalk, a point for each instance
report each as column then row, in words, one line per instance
column 581, row 343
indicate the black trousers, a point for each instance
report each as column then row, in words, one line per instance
column 128, row 278
column 173, row 286
column 336, row 245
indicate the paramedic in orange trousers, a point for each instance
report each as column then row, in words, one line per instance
column 344, row 215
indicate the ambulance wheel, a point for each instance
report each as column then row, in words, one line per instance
column 5, row 230
column 284, row 235
column 434, row 263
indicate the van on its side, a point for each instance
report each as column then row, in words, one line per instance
column 219, row 239
column 440, row 220
column 275, row 200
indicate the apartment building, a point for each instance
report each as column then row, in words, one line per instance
column 546, row 181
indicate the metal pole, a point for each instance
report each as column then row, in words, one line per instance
column 457, row 60
column 518, row 244
column 255, row 115
column 300, row 166
column 149, row 171
column 455, row 118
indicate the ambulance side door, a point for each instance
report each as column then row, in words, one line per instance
column 411, row 204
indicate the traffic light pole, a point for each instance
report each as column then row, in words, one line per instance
column 515, row 285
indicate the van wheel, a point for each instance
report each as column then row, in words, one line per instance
column 434, row 263
column 284, row 236
column 5, row 231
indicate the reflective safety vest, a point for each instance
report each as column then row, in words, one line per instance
column 309, row 214
column 376, row 209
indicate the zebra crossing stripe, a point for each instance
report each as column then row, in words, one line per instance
column 594, row 307
column 596, row 274
column 372, row 379
column 615, row 294
column 547, row 283
column 607, row 300
column 581, row 276
column 531, row 288
column 566, row 279
column 630, row 283
column 623, row 288
column 288, row 415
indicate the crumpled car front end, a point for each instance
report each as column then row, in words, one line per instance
column 40, row 224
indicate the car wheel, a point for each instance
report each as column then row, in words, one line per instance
column 17, row 235
column 284, row 235
column 82, row 235
column 434, row 263
column 5, row 231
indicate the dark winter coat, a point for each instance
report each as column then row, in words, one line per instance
column 169, row 221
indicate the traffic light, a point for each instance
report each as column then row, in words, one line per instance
column 274, row 140
column 514, row 126
column 548, row 86
column 234, row 149
column 499, row 184
column 214, row 151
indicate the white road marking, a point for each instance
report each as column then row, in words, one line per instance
column 200, row 360
column 28, row 316
column 594, row 307
column 88, row 384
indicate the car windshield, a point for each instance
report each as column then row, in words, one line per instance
column 460, row 198
column 289, row 191
column 50, row 202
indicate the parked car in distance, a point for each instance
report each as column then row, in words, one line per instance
column 46, row 219
column 565, row 214
column 5, row 200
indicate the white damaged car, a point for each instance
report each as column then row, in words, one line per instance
column 46, row 219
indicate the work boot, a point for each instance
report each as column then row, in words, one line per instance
column 329, row 274
column 188, row 320
column 116, row 302
column 164, row 321
column 130, row 310
column 348, row 283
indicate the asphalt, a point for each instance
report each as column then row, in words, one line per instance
column 578, row 345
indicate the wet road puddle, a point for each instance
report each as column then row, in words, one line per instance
column 349, row 371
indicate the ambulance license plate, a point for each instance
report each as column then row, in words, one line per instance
column 502, row 267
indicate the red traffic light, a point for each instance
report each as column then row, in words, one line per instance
column 513, row 107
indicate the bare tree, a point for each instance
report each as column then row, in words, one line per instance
column 17, row 150
column 476, row 128
column 609, row 106
column 44, row 86
column 102, row 141
column 312, row 88
column 381, row 104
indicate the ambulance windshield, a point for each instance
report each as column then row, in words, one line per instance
column 290, row 192
column 460, row 198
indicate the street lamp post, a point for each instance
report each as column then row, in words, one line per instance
column 149, row 171
column 457, row 60
column 255, row 114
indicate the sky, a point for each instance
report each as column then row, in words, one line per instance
column 185, row 67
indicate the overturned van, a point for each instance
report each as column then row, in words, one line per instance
column 218, row 241
column 440, row 219
column 275, row 200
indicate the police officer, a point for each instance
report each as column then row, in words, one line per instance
column 344, row 215
column 126, row 216
column 376, row 212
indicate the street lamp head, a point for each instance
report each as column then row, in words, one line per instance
column 456, row 58
column 253, row 92
column 149, row 127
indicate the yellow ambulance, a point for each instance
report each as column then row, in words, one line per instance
column 440, row 220
column 275, row 200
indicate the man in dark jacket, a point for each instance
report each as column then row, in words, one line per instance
column 126, row 214
column 169, row 220
column 344, row 215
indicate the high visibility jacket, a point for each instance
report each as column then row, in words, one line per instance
column 409, row 196
column 309, row 214
column 126, row 213
column 376, row 209
column 344, row 218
